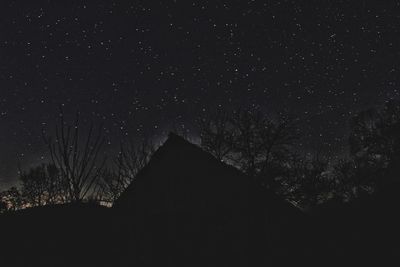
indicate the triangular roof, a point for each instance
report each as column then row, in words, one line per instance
column 185, row 206
column 178, row 153
column 181, row 156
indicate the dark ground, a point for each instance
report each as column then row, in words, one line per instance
column 366, row 232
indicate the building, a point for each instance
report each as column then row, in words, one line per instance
column 186, row 208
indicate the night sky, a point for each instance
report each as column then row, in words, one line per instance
column 145, row 67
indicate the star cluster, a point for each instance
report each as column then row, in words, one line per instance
column 141, row 67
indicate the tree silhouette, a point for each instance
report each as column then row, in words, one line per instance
column 217, row 135
column 42, row 185
column 375, row 144
column 313, row 184
column 12, row 198
column 351, row 180
column 248, row 139
column 111, row 185
column 34, row 186
column 130, row 160
column 3, row 206
column 76, row 156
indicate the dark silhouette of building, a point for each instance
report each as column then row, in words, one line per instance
column 187, row 208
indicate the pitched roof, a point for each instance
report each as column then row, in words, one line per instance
column 184, row 171
column 187, row 206
column 178, row 160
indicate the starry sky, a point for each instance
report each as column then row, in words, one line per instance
column 142, row 67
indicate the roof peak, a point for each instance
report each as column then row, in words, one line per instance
column 174, row 137
column 175, row 142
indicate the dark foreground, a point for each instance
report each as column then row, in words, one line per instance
column 366, row 232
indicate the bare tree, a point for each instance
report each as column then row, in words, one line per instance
column 261, row 144
column 130, row 160
column 313, row 186
column 255, row 143
column 111, row 185
column 216, row 133
column 375, row 145
column 249, row 146
column 34, row 185
column 76, row 157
